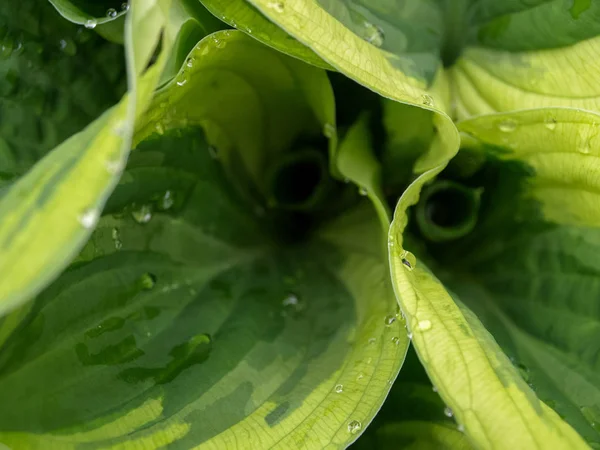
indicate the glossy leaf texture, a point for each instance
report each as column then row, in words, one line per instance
column 40, row 231
column 202, row 325
column 243, row 16
column 520, row 270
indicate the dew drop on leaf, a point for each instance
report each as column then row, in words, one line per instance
column 424, row 325
column 372, row 340
column 182, row 80
column 448, row 412
column 461, row 428
column 89, row 218
column 410, row 335
column 354, row 426
column 373, row 34
column 396, row 340
column 338, row 388
column 328, row 130
column 91, row 23
column 409, row 260
column 360, row 376
column 213, row 151
column 278, row 6
column 142, row 214
column 427, row 100
column 148, row 281
column 434, row 388
column 292, row 305
column 389, row 320
column 166, row 201
column 189, row 62
column 550, row 123
column 363, row 191
column 6, row 48
column 125, row 6
column 116, row 237
column 507, row 126
column 111, row 12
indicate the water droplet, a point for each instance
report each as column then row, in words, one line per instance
column 585, row 148
column 372, row 340
column 434, row 389
column 427, row 100
column 373, row 34
column 68, row 46
column 148, row 281
column 448, row 412
column 461, row 428
column 507, row 126
column 396, row 340
column 111, row 12
column 354, row 426
column 89, row 218
column 6, row 48
column 160, row 129
column 328, row 130
column 189, row 62
column 291, row 305
column 213, row 151
column 124, row 6
column 278, row 6
column 363, row 191
column 389, row 320
column 114, row 167
column 91, row 23
column 410, row 335
column 360, row 376
column 182, row 80
column 409, row 260
column 339, row 388
column 142, row 214
column 166, row 201
column 424, row 325
column 116, row 237
column 550, row 123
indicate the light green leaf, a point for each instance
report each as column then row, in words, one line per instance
column 356, row 162
column 243, row 16
column 281, row 107
column 413, row 416
column 382, row 46
column 40, row 231
column 197, row 330
column 474, row 377
column 524, row 55
column 535, row 291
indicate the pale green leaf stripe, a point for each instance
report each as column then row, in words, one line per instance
column 567, row 162
column 489, row 399
column 49, row 213
column 244, row 17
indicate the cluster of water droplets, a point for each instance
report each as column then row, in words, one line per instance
column 111, row 13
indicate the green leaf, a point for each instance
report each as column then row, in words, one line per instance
column 91, row 13
column 533, row 246
column 44, row 98
column 243, row 16
column 283, row 107
column 534, row 292
column 413, row 416
column 524, row 55
column 196, row 329
column 41, row 231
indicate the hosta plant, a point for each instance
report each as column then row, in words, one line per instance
column 300, row 224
